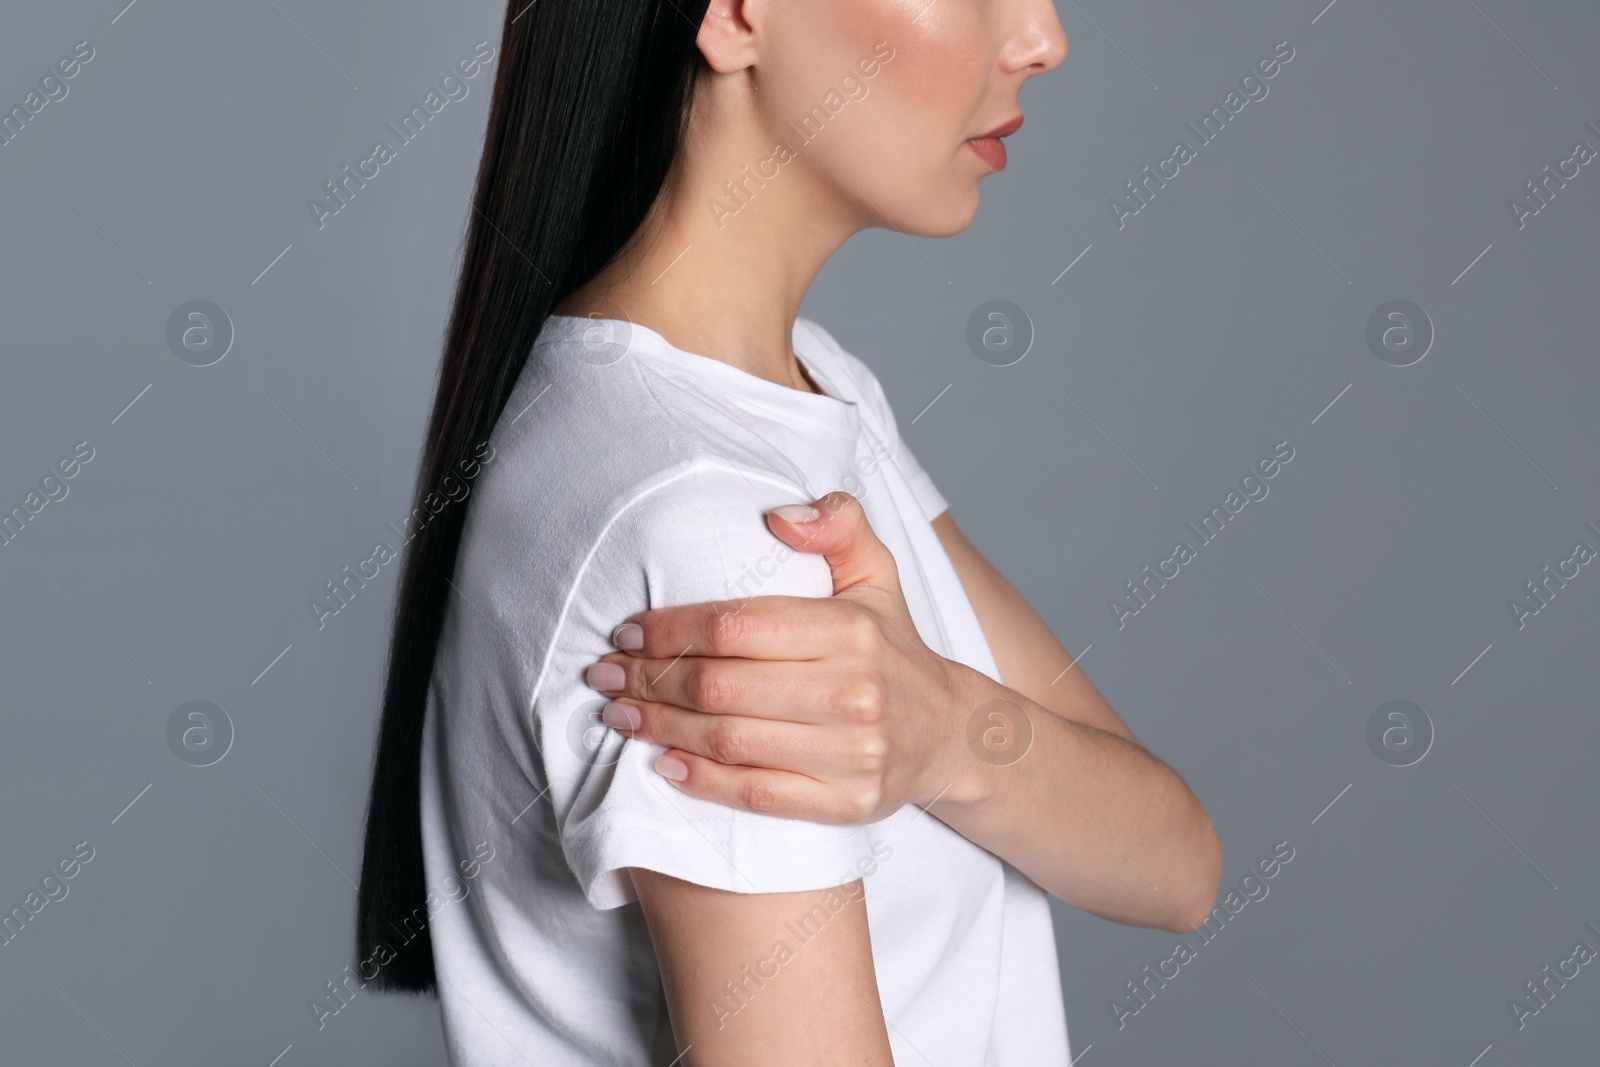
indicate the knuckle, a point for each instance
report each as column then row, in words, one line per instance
column 860, row 805
column 730, row 628
column 868, row 799
column 861, row 630
column 861, row 700
column 728, row 743
column 840, row 501
column 640, row 681
column 870, row 751
column 757, row 796
column 711, row 687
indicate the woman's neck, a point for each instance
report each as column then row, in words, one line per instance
column 719, row 276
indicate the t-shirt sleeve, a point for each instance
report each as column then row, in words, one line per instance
column 929, row 498
column 699, row 536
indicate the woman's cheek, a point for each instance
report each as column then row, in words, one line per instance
column 913, row 76
column 943, row 48
column 915, row 137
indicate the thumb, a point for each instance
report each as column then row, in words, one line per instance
column 840, row 532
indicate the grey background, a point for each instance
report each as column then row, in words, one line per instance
column 1227, row 316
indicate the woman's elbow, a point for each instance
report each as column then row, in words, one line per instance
column 1198, row 881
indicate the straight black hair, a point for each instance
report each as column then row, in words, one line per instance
column 590, row 104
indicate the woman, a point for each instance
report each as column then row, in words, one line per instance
column 842, row 761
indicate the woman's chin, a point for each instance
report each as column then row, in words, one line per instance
column 960, row 213
column 946, row 216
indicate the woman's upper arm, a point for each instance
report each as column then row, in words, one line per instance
column 1030, row 657
column 699, row 537
column 770, row 978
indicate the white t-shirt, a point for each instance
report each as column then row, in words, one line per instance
column 629, row 474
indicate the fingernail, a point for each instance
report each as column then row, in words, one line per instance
column 796, row 513
column 670, row 766
column 604, row 676
column 628, row 636
column 620, row 716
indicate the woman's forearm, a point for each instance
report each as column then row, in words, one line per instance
column 1092, row 817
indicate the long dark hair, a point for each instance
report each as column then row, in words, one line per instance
column 591, row 100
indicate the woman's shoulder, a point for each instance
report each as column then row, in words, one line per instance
column 835, row 355
column 857, row 375
column 581, row 446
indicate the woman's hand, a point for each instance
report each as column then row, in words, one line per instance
column 828, row 709
column 831, row 709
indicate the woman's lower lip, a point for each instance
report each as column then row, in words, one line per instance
column 991, row 150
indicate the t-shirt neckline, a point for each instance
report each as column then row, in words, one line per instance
column 827, row 411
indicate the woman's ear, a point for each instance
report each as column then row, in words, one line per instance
column 729, row 35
